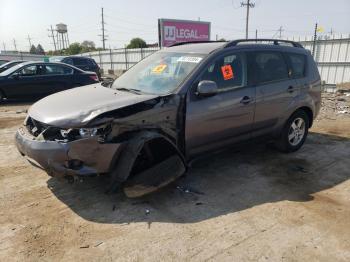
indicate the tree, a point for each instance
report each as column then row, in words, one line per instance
column 40, row 50
column 137, row 43
column 74, row 49
column 32, row 49
column 88, row 46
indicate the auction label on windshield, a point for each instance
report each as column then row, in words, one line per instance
column 227, row 72
column 190, row 59
column 159, row 69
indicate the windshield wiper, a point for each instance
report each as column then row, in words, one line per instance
column 131, row 90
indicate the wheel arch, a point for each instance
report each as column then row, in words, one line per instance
column 309, row 113
column 158, row 146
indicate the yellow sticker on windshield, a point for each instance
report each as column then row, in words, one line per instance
column 159, row 69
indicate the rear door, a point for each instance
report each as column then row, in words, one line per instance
column 58, row 77
column 227, row 117
column 276, row 91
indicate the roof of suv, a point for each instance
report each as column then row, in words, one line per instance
column 206, row 48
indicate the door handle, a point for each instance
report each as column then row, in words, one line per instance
column 246, row 100
column 290, row 89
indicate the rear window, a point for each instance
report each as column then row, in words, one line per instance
column 298, row 65
column 81, row 61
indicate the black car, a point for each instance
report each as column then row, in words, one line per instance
column 37, row 79
column 2, row 61
column 10, row 64
column 84, row 63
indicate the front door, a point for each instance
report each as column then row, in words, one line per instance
column 26, row 82
column 227, row 117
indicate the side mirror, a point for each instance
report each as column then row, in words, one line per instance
column 207, row 88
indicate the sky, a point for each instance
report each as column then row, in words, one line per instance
column 126, row 19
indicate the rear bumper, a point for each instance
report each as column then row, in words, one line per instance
column 82, row 157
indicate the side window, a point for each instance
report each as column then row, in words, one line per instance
column 58, row 70
column 268, row 66
column 28, row 71
column 226, row 71
column 298, row 65
column 68, row 61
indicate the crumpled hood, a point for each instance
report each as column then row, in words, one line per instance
column 77, row 106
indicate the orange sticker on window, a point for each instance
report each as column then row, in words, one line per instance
column 227, row 72
column 159, row 69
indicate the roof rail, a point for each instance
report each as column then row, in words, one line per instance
column 275, row 42
column 196, row 42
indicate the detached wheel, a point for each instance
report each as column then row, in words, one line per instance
column 294, row 132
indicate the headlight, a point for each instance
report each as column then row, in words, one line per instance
column 87, row 132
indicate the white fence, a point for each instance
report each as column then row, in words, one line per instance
column 22, row 56
column 332, row 57
column 120, row 59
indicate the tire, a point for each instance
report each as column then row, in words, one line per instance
column 294, row 132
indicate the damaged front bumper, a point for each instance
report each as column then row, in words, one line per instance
column 82, row 157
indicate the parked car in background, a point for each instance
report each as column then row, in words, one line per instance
column 10, row 64
column 174, row 105
column 2, row 61
column 84, row 63
column 37, row 79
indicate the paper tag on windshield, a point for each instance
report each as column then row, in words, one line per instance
column 159, row 69
column 190, row 59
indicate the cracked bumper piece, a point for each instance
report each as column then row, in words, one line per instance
column 81, row 157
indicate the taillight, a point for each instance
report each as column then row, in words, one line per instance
column 94, row 77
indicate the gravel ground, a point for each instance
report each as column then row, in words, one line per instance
column 236, row 205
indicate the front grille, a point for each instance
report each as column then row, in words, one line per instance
column 35, row 127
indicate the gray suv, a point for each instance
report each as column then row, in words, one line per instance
column 174, row 105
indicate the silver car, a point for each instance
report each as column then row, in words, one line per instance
column 172, row 106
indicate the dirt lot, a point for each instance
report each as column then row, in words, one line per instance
column 236, row 205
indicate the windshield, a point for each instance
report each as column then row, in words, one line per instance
column 159, row 73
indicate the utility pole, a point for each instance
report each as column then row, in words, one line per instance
column 314, row 43
column 280, row 30
column 14, row 43
column 103, row 31
column 256, row 33
column 30, row 42
column 52, row 36
column 4, row 45
column 248, row 5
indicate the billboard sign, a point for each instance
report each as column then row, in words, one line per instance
column 173, row 31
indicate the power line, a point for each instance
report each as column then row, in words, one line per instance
column 248, row 5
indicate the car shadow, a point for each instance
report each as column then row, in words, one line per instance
column 225, row 182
